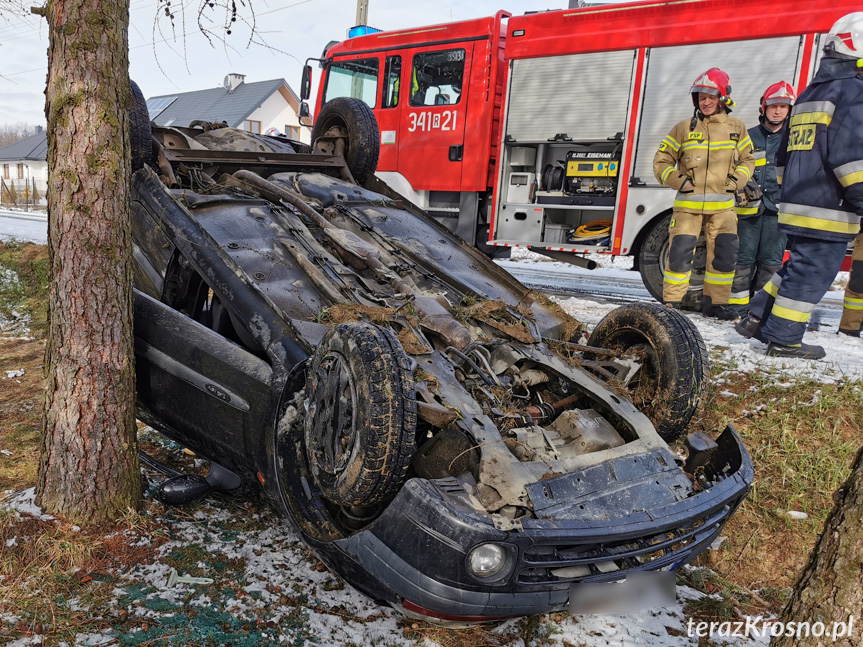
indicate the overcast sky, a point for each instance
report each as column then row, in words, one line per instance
column 293, row 29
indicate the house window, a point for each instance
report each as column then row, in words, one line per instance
column 436, row 78
column 6, row 171
column 20, row 171
column 253, row 126
column 292, row 132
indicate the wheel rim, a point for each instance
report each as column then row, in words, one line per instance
column 331, row 431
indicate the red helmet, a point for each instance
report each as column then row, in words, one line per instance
column 780, row 92
column 714, row 81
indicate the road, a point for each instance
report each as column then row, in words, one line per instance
column 30, row 227
column 622, row 289
column 613, row 288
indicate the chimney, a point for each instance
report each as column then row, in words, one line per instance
column 233, row 81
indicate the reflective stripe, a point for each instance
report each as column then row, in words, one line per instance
column 714, row 146
column 812, row 112
column 853, row 304
column 850, row 173
column 677, row 279
column 745, row 170
column 747, row 141
column 801, row 215
column 792, row 310
column 760, row 155
column 709, row 201
column 666, row 173
column 747, row 211
column 739, row 298
column 772, row 286
column 779, row 171
column 672, row 143
column 760, row 161
column 719, row 279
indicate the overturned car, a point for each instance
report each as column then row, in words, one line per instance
column 448, row 441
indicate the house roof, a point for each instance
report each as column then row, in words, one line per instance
column 217, row 104
column 34, row 147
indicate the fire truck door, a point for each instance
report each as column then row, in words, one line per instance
column 433, row 116
column 389, row 115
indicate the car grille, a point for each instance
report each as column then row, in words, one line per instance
column 547, row 563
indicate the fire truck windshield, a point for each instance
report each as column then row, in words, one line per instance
column 357, row 78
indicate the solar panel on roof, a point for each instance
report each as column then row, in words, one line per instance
column 156, row 106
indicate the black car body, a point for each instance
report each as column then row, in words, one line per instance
column 438, row 433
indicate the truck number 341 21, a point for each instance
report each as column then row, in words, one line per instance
column 424, row 121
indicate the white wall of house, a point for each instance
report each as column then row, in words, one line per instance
column 31, row 169
column 276, row 112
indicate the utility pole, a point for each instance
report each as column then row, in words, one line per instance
column 362, row 12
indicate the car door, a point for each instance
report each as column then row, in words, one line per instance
column 204, row 390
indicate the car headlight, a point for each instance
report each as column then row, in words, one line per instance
column 486, row 560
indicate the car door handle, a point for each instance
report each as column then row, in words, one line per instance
column 456, row 153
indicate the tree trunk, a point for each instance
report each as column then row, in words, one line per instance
column 830, row 589
column 88, row 471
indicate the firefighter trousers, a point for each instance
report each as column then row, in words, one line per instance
column 720, row 233
column 789, row 297
column 852, row 311
column 762, row 247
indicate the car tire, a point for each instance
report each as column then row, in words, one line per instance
column 360, row 428
column 670, row 386
column 652, row 257
column 140, row 132
column 358, row 121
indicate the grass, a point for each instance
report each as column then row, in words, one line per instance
column 24, row 281
column 59, row 581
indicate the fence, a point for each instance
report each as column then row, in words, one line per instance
column 21, row 193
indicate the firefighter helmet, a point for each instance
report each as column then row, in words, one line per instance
column 845, row 38
column 780, row 92
column 716, row 82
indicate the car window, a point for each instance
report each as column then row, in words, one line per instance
column 392, row 81
column 436, row 78
column 357, row 78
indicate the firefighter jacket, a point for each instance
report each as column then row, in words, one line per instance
column 766, row 144
column 822, row 156
column 705, row 160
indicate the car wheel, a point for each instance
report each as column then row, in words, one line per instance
column 358, row 123
column 670, row 384
column 652, row 258
column 140, row 134
column 360, row 428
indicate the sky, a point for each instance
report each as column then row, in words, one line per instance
column 161, row 63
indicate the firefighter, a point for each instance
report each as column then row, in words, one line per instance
column 852, row 311
column 762, row 245
column 705, row 159
column 820, row 167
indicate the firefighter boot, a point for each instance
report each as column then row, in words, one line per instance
column 750, row 327
column 850, row 333
column 801, row 350
column 718, row 311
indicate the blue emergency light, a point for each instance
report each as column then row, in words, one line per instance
column 362, row 30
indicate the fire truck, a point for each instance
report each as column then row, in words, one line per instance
column 539, row 131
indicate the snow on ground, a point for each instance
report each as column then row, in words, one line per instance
column 280, row 575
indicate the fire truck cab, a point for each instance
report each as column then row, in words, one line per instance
column 540, row 130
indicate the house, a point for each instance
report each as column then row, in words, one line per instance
column 256, row 107
column 24, row 164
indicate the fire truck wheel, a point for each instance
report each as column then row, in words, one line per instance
column 140, row 135
column 360, row 430
column 652, row 257
column 671, row 382
column 363, row 138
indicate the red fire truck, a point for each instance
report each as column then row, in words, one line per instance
column 540, row 130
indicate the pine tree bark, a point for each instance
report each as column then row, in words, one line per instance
column 830, row 589
column 88, row 471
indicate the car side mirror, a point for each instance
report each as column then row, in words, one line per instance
column 306, row 83
column 304, row 110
